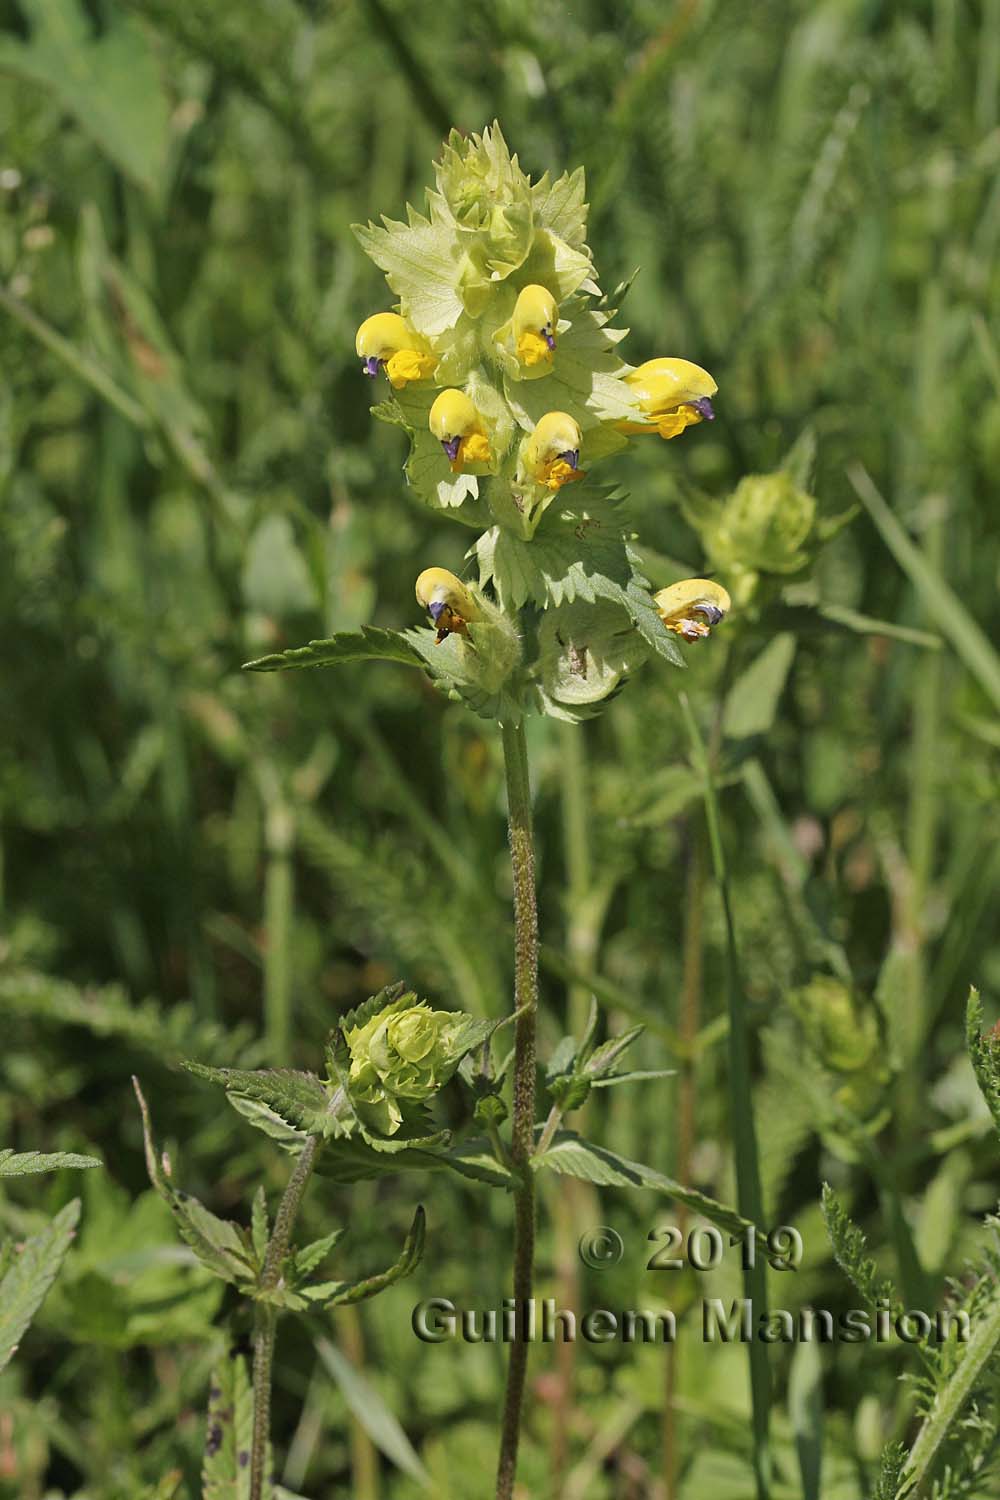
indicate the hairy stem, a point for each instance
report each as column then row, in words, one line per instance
column 522, row 857
column 265, row 1315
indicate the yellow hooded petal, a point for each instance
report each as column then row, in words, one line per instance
column 692, row 606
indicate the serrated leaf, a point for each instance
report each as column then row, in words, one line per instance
column 572, row 1156
column 849, row 1251
column 310, row 1256
column 643, row 1075
column 984, row 1054
column 369, row 1408
column 218, row 1243
column 20, row 1163
column 370, row 643
column 420, row 264
column 34, row 1268
column 475, row 1159
column 410, row 1257
column 225, row 1470
column 270, row 1123
column 604, row 1057
column 298, row 1098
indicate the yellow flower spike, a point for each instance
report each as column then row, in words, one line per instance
column 456, row 424
column 691, row 607
column 385, row 341
column 552, row 452
column 447, row 601
column 536, row 313
column 672, row 394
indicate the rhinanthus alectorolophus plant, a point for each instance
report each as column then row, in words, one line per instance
column 501, row 363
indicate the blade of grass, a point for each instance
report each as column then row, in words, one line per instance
column 940, row 600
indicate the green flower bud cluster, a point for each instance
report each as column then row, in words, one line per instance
column 843, row 1033
column 767, row 532
column 400, row 1055
column 502, row 366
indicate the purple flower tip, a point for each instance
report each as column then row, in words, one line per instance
column 451, row 447
column 703, row 407
column 371, row 367
column 711, row 613
column 549, row 338
column 571, row 457
column 436, row 609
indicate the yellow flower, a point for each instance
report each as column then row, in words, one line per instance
column 385, row 341
column 690, row 608
column 533, row 325
column 447, row 601
column 456, row 424
column 552, row 452
column 671, row 394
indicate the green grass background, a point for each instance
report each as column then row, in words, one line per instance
column 197, row 863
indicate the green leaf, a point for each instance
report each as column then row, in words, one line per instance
column 225, row 1470
column 984, row 1054
column 370, row 643
column 18, row 1164
column 939, row 599
column 111, row 83
column 643, row 1075
column 219, row 1244
column 849, row 1250
column 368, row 1407
column 410, row 1257
column 26, row 1282
column 260, row 1229
column 311, row 1256
column 298, row 1098
column 572, row 1156
column 753, row 700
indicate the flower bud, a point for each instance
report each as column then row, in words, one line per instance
column 385, row 341
column 456, row 424
column 533, row 325
column 691, row 607
column 447, row 601
column 670, row 394
column 552, row 452
column 402, row 1055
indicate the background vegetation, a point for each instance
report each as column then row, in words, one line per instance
column 197, row 863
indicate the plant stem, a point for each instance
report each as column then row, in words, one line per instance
column 522, row 858
column 691, row 988
column 748, row 1189
column 265, row 1315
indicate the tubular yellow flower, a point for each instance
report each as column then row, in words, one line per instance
column 456, row 424
column 536, row 314
column 691, row 607
column 447, row 601
column 671, row 394
column 385, row 341
column 552, row 452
